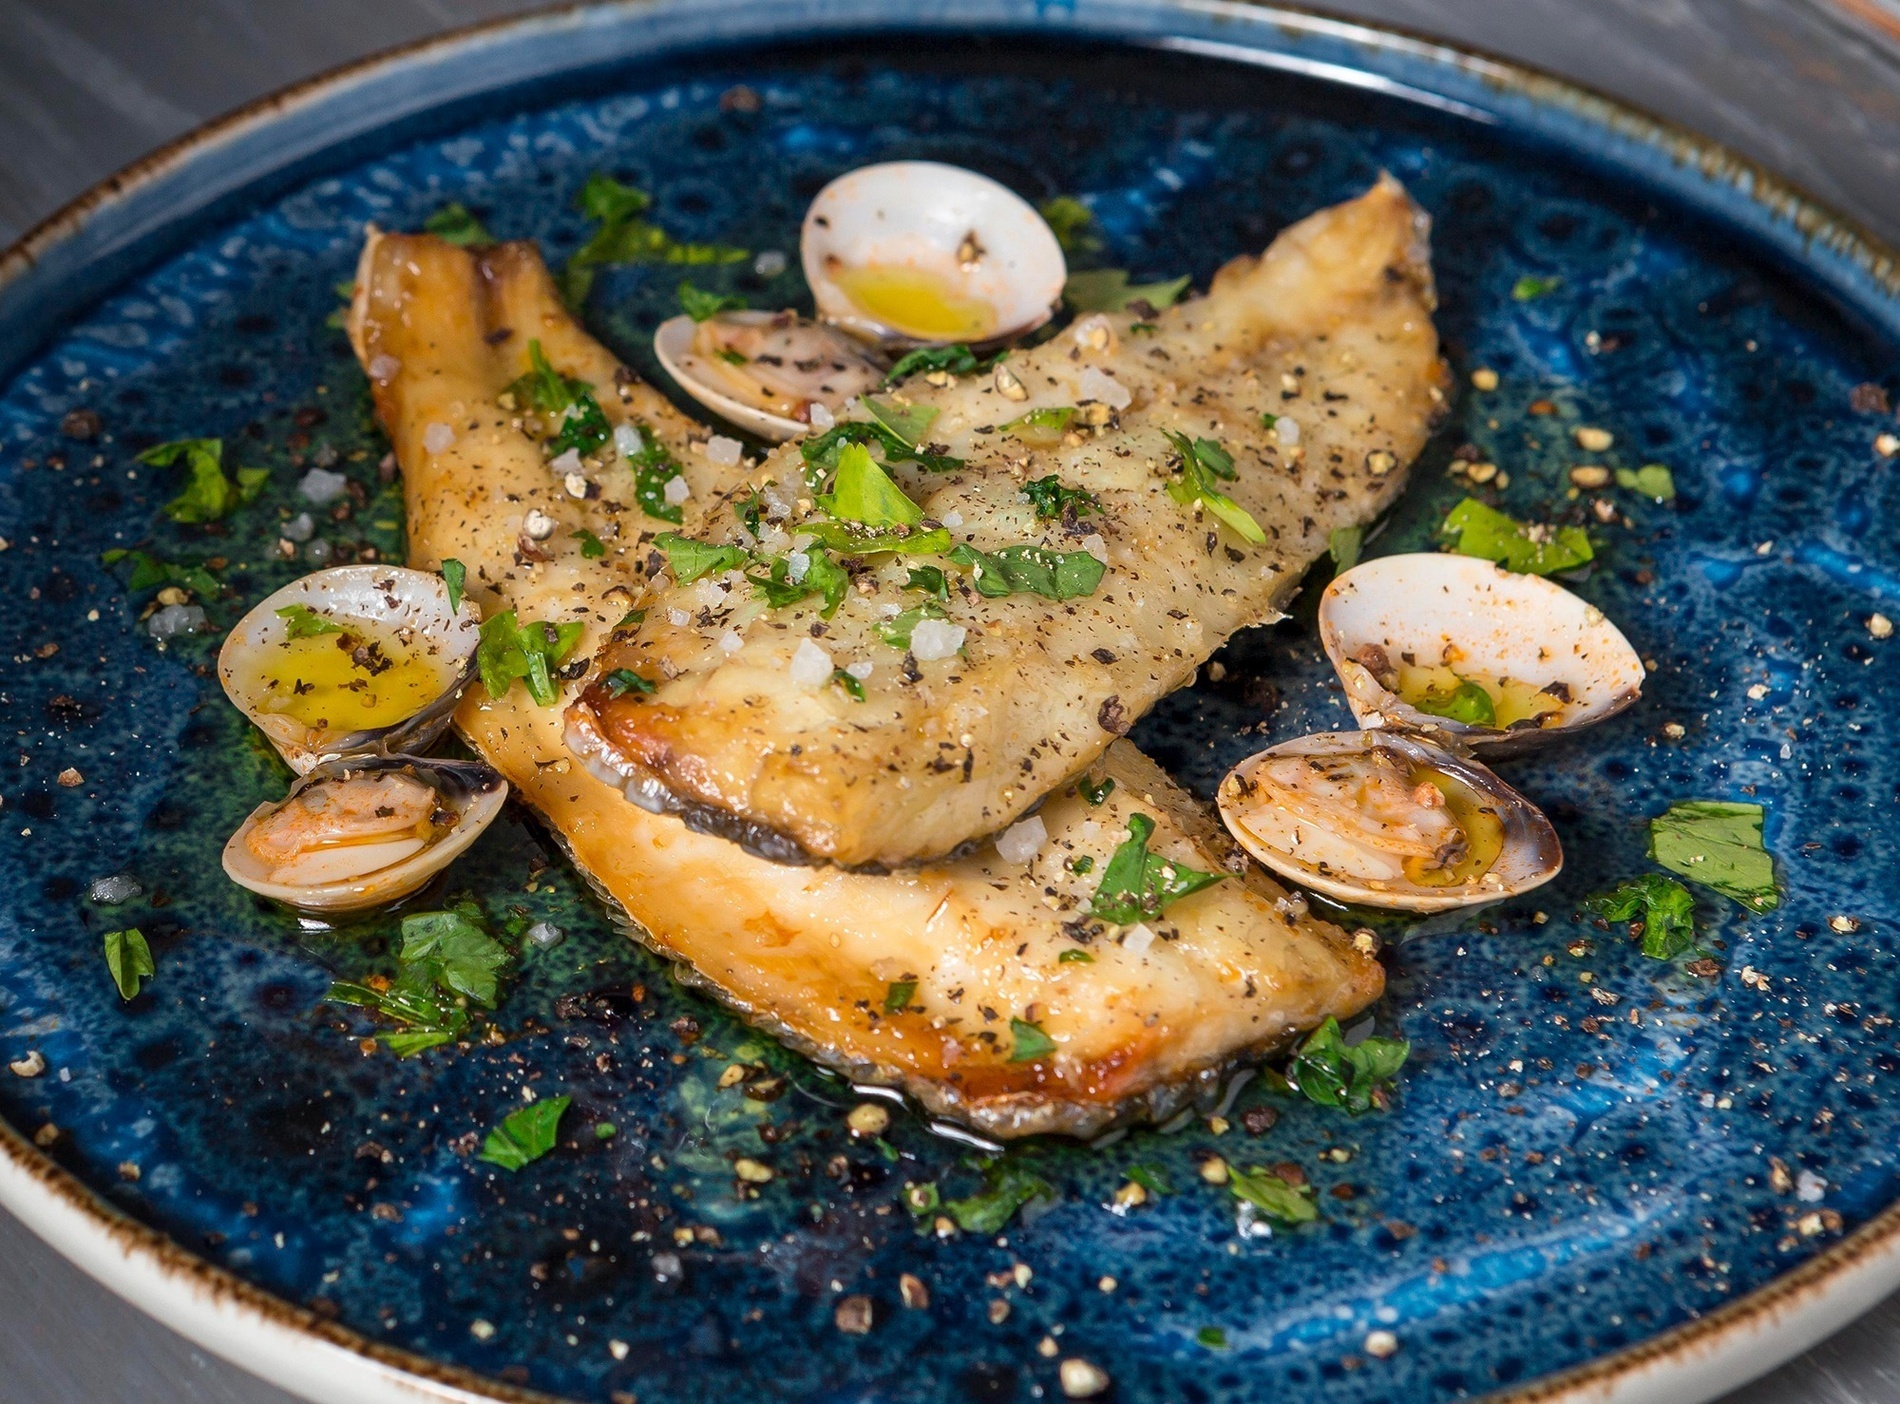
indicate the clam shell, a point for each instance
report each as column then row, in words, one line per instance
column 1530, row 856
column 388, row 595
column 1487, row 622
column 473, row 790
column 925, row 216
column 673, row 345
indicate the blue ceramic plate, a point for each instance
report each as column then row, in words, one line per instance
column 1593, row 1159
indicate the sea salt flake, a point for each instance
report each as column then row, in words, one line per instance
column 627, row 441
column 437, row 438
column 1099, row 386
column 1019, row 843
column 811, row 665
column 934, row 638
column 724, row 451
column 676, row 490
column 322, row 487
column 1138, row 938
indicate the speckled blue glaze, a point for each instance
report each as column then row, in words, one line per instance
column 1579, row 1152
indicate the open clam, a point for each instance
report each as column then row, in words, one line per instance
column 354, row 660
column 917, row 252
column 766, row 371
column 1384, row 819
column 364, row 831
column 1457, row 647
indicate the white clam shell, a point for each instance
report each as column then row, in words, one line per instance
column 358, row 881
column 1313, row 856
column 710, row 384
column 392, row 596
column 921, row 215
column 1488, row 623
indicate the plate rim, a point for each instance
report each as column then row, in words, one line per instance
column 301, row 1351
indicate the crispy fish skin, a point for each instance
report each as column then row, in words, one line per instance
column 819, row 955
column 1330, row 328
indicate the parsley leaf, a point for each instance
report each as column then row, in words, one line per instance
column 1272, row 1195
column 508, row 650
column 1041, row 428
column 864, row 493
column 149, row 571
column 931, row 580
column 1719, row 845
column 1070, row 220
column 821, row 451
column 1137, row 884
column 909, row 422
column 896, row 630
column 1028, row 1042
column 579, row 422
column 854, row 689
column 823, row 576
column 1468, row 703
column 700, row 305
column 1006, row 1188
column 455, row 576
column 1075, row 955
column 1108, row 290
column 1095, row 792
column 1203, row 463
column 1329, row 1073
column 625, row 237
column 129, row 959
column 958, row 360
column 1051, row 499
column 525, row 1134
column 452, row 950
column 1488, row 534
column 209, row 495
column 592, row 547
column 1150, row 1178
column 1344, row 544
column 621, row 681
column 1527, row 288
column 848, row 540
column 898, row 996
column 691, row 560
column 454, row 224
column 303, row 622
column 1663, row 907
column 1212, row 1337
column 1055, row 575
column 653, row 468
column 1652, row 480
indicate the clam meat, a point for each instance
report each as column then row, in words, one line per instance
column 1459, row 648
column 359, row 833
column 1385, row 819
column 922, row 253
column 771, row 373
column 354, row 660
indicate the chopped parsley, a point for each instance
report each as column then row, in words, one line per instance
column 1331, row 1074
column 700, row 305
column 1272, row 1195
column 1652, row 480
column 1477, row 530
column 303, row 622
column 455, row 576
column 621, row 681
column 1344, row 545
column 909, row 422
column 1662, row 908
column 1095, row 792
column 1070, row 221
column 605, row 1130
column 1204, row 463
column 631, row 618
column 592, row 547
column 931, row 580
column 1108, row 290
column 1137, row 885
column 1006, row 1188
column 209, row 495
column 957, row 360
column 1468, row 703
column 653, row 468
column 1028, row 1042
column 853, row 688
column 1075, row 955
column 896, row 631
column 1719, row 845
column 625, row 237
column 823, row 577
column 1055, row 575
column 1051, row 499
column 580, row 423
column 898, row 996
column 129, row 959
column 1212, row 1337
column 821, row 451
column 849, row 540
column 454, row 224
column 1041, row 428
column 691, row 560
column 863, row 493
column 525, row 1134
column 149, row 571
column 448, row 961
column 1529, row 288
column 508, row 651
column 731, row 357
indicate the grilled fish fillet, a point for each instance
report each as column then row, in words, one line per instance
column 1329, row 330
column 911, row 979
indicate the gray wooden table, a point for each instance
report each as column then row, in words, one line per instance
column 1810, row 87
